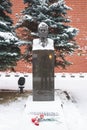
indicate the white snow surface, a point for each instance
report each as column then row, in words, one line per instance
column 8, row 36
column 72, row 113
column 3, row 23
column 51, row 110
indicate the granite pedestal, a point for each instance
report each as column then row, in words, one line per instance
column 43, row 75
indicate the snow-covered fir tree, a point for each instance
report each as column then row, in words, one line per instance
column 9, row 50
column 54, row 13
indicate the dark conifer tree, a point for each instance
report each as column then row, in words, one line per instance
column 9, row 50
column 54, row 13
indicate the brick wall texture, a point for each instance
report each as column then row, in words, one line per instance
column 78, row 16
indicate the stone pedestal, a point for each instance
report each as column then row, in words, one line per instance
column 43, row 75
column 52, row 111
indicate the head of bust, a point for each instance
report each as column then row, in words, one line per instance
column 43, row 30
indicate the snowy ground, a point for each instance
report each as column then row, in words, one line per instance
column 72, row 106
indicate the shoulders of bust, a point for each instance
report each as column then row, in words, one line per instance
column 50, row 40
column 36, row 41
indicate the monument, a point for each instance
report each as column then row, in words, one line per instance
column 44, row 110
column 43, row 65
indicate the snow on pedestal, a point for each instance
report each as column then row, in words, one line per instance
column 52, row 111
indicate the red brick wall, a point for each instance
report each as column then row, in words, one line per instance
column 79, row 20
column 16, row 8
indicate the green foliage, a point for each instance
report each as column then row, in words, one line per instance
column 9, row 51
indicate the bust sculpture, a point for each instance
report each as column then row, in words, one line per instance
column 43, row 42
